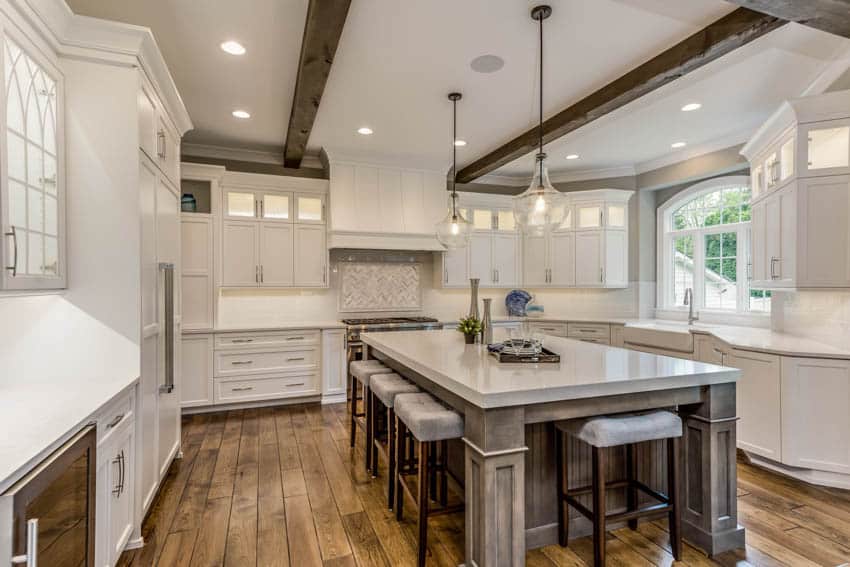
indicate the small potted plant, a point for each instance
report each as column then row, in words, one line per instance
column 470, row 327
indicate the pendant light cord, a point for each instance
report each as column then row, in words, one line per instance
column 454, row 157
column 540, row 123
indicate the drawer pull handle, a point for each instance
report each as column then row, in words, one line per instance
column 242, row 388
column 294, row 385
column 293, row 358
column 241, row 362
column 586, row 330
column 115, row 421
column 295, row 338
column 242, row 341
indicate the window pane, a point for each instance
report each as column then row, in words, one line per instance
column 759, row 300
column 240, row 204
column 17, row 204
column 51, row 256
column 35, row 262
column 51, row 210
column 276, row 207
column 35, row 172
column 721, row 271
column 683, row 267
column 49, row 174
column 482, row 219
column 17, row 160
column 829, row 147
column 506, row 220
column 35, row 206
column 310, row 208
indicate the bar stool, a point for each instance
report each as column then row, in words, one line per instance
column 361, row 371
column 383, row 389
column 429, row 423
column 602, row 433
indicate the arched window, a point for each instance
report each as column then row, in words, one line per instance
column 704, row 244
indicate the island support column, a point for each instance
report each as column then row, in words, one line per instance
column 710, row 514
column 495, row 487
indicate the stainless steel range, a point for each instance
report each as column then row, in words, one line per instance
column 381, row 324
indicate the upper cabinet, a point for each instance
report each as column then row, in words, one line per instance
column 273, row 231
column 158, row 137
column 800, row 164
column 32, row 190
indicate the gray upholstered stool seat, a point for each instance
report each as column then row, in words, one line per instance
column 363, row 370
column 387, row 386
column 427, row 419
column 612, row 431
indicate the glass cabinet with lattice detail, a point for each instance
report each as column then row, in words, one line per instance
column 32, row 181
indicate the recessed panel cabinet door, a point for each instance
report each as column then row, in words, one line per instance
column 563, row 259
column 758, row 402
column 456, row 267
column 311, row 254
column 480, row 260
column 824, row 208
column 276, row 262
column 239, row 254
column 759, row 235
column 535, row 260
column 505, row 259
column 589, row 256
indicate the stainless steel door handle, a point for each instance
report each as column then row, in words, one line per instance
column 30, row 558
column 773, row 261
column 14, row 267
column 168, row 285
column 261, row 273
column 257, row 274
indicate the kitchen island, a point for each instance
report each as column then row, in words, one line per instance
column 508, row 409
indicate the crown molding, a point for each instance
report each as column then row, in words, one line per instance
column 589, row 174
column 91, row 39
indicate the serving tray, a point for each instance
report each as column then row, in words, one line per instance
column 545, row 356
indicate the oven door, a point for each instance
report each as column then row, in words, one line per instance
column 47, row 517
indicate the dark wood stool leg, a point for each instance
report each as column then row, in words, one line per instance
column 391, row 457
column 370, row 416
column 374, row 416
column 432, row 469
column 599, row 506
column 444, row 473
column 422, row 521
column 673, row 491
column 353, row 385
column 401, row 432
column 563, row 516
column 631, row 489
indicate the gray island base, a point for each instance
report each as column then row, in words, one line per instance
column 508, row 409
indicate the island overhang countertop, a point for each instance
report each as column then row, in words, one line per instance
column 586, row 370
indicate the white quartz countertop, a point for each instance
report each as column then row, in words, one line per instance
column 260, row 328
column 58, row 367
column 585, row 371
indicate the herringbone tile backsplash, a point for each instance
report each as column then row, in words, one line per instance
column 379, row 286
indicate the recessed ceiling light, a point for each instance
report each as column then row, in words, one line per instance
column 691, row 106
column 233, row 47
column 364, row 130
column 572, row 156
column 460, row 143
column 487, row 64
column 241, row 114
column 676, row 145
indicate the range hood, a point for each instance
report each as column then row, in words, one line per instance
column 384, row 207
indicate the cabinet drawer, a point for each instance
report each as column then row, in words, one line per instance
column 114, row 416
column 236, row 363
column 585, row 330
column 244, row 341
column 554, row 329
column 265, row 388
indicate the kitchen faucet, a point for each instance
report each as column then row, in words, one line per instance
column 689, row 301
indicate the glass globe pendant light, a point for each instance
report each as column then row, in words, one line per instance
column 454, row 231
column 541, row 207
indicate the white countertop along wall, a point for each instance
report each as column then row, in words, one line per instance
column 58, row 366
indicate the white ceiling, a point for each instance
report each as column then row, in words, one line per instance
column 398, row 59
column 213, row 83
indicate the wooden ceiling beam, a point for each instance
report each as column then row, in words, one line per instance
column 712, row 42
column 322, row 30
column 831, row 16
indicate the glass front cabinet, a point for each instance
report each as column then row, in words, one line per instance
column 32, row 184
column 800, row 175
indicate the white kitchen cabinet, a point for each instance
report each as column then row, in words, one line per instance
column 758, row 402
column 617, row 335
column 275, row 255
column 815, row 420
column 240, row 259
column 562, row 259
column 453, row 267
column 708, row 349
column 481, row 258
column 590, row 255
column 311, row 256
column 536, row 260
column 334, row 367
column 196, row 279
column 553, row 329
column 32, row 194
column 197, row 370
column 827, row 148
column 505, row 253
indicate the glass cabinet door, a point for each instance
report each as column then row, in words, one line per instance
column 482, row 219
column 757, row 180
column 771, row 171
column 786, row 160
column 828, row 147
column 276, row 206
column 616, row 216
column 505, row 221
column 589, row 216
column 32, row 220
column 240, row 204
column 310, row 208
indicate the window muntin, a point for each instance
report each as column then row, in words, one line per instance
column 705, row 246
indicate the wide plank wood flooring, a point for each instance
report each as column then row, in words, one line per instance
column 280, row 486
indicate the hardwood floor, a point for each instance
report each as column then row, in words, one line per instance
column 280, row 487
